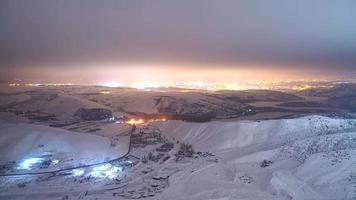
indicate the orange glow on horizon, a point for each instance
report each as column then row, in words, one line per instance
column 188, row 76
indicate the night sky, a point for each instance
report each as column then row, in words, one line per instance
column 184, row 40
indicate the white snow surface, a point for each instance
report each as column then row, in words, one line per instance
column 309, row 158
column 62, row 106
column 22, row 141
column 313, row 157
column 220, row 135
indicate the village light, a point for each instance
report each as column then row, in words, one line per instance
column 106, row 171
column 105, row 92
column 112, row 84
column 100, row 170
column 113, row 172
column 135, row 121
column 54, row 162
column 77, row 172
column 29, row 163
column 102, row 167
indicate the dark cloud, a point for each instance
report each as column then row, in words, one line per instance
column 319, row 34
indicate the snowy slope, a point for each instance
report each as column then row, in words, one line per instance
column 62, row 106
column 218, row 135
column 22, row 141
column 15, row 98
column 170, row 103
column 307, row 158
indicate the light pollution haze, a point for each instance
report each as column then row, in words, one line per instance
column 225, row 41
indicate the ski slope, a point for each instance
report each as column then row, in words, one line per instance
column 65, row 148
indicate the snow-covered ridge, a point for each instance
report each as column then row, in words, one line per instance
column 219, row 135
column 311, row 157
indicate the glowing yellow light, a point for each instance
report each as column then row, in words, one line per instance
column 105, row 92
column 32, row 84
column 58, row 84
column 303, row 87
column 135, row 121
column 14, row 84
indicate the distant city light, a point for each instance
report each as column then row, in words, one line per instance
column 32, row 84
column 191, row 85
column 158, row 120
column 38, row 84
column 145, row 85
column 29, row 163
column 135, row 121
column 14, row 84
column 111, row 84
column 304, row 87
column 105, row 92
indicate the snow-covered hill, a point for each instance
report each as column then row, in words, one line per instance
column 179, row 104
column 57, row 147
column 48, row 106
column 306, row 158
